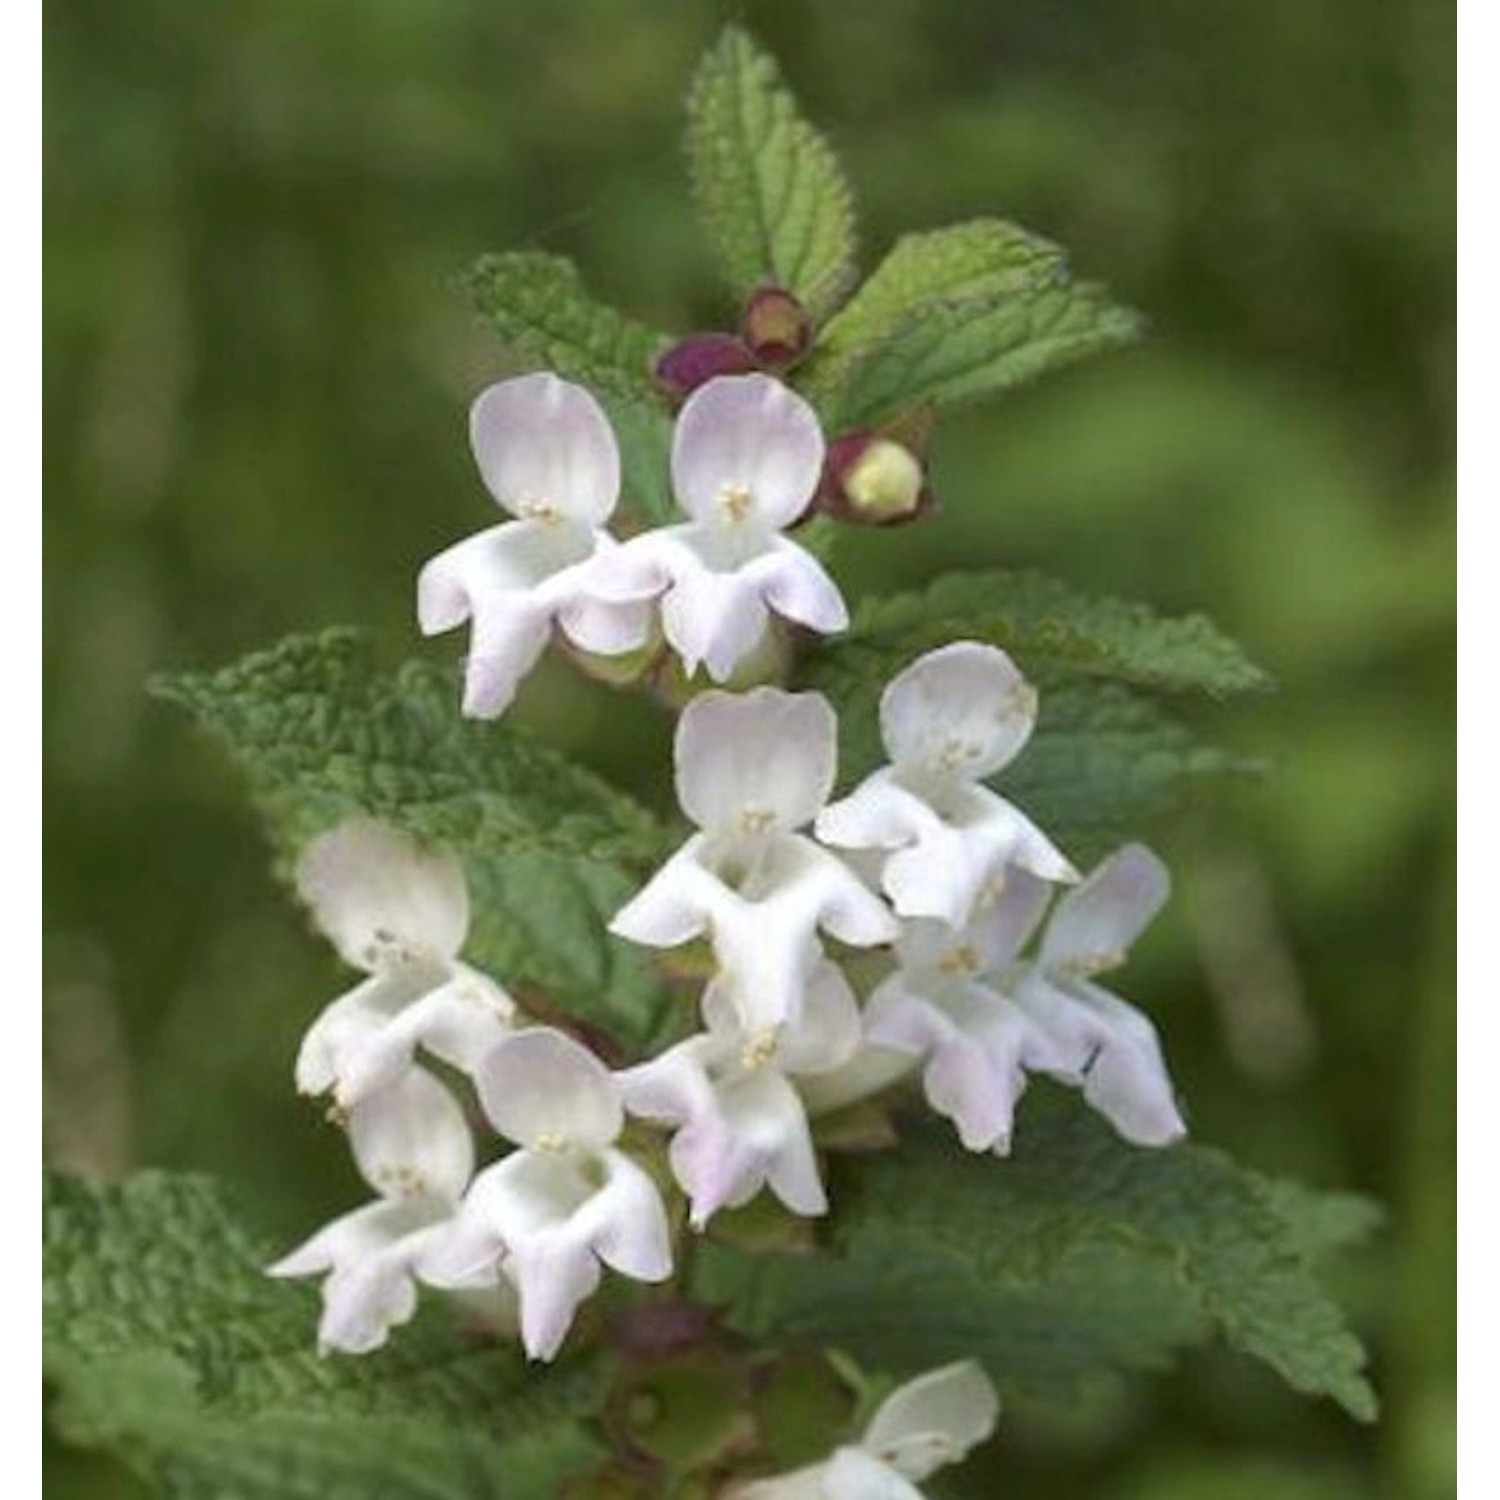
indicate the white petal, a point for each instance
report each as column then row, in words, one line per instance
column 1095, row 924
column 797, row 1484
column 349, row 1239
column 960, row 860
column 629, row 1230
column 749, row 762
column 362, row 1305
column 541, row 1087
column 1128, row 1081
column 766, row 1111
column 463, row 1254
column 829, row 1030
column 853, row 1474
column 975, row 1043
column 605, row 628
column 750, row 436
column 879, row 813
column 713, row 619
column 381, row 897
column 410, row 1139
column 961, row 711
column 461, row 1019
column 936, row 1419
column 796, row 586
column 671, row 908
column 343, row 1033
column 544, row 443
column 552, row 1275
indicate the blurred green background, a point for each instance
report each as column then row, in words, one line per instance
column 256, row 380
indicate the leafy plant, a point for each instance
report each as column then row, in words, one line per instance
column 1083, row 1252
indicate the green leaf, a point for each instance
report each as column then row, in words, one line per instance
column 1076, row 1256
column 536, row 302
column 1104, row 756
column 945, row 353
column 550, row 849
column 770, row 192
column 1043, row 623
column 170, row 1345
column 985, row 259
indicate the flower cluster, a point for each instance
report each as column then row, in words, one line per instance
column 921, row 864
column 747, row 457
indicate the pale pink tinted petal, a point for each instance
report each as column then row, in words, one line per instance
column 963, row 710
column 934, row 1420
column 747, row 762
column 793, row 582
column 542, row 1085
column 544, row 442
column 362, row 1305
column 747, row 433
column 1094, row 925
column 1128, row 1081
column 852, row 912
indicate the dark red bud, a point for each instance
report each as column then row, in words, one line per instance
column 775, row 326
column 698, row 358
column 871, row 479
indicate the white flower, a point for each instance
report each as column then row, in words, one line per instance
column 546, row 1215
column 954, row 716
column 400, row 913
column 751, row 769
column 547, row 454
column 412, row 1146
column 929, row 1422
column 1112, row 1050
column 944, row 1005
column 741, row 1125
column 747, row 455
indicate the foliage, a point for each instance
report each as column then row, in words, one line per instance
column 1075, row 1255
column 550, row 850
column 170, row 1345
column 770, row 193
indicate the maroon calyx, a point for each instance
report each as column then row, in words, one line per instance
column 698, row 358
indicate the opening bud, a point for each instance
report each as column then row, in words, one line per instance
column 775, row 327
column 693, row 360
column 873, row 480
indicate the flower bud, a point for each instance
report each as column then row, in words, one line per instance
column 873, row 480
column 693, row 360
column 775, row 327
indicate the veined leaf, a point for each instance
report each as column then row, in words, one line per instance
column 551, row 850
column 1076, row 1256
column 985, row 259
column 536, row 302
column 946, row 353
column 170, row 1346
column 770, row 192
column 1044, row 623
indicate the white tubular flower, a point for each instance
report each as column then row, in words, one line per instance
column 751, row 769
column 548, row 1214
column 930, row 1422
column 954, row 716
column 412, row 1146
column 741, row 1125
column 747, row 455
column 944, row 1006
column 1112, row 1051
column 547, row 454
column 400, row 913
